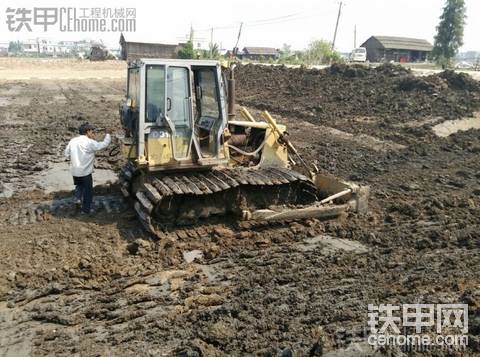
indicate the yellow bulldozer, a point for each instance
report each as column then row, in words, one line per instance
column 190, row 160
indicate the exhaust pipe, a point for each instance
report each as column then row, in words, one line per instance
column 231, row 93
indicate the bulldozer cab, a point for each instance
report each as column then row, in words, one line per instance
column 174, row 114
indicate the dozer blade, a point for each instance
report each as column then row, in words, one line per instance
column 339, row 197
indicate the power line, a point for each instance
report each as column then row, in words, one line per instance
column 276, row 18
column 226, row 27
column 284, row 21
column 260, row 22
column 296, row 16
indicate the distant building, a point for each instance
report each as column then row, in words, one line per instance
column 41, row 46
column 4, row 49
column 30, row 47
column 47, row 47
column 258, row 53
column 397, row 49
column 131, row 50
column 66, row 47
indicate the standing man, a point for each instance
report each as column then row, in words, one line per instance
column 81, row 153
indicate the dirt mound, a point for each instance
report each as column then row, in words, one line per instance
column 347, row 91
column 460, row 81
column 348, row 71
column 392, row 70
column 411, row 83
column 358, row 70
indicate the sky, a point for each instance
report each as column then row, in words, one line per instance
column 265, row 23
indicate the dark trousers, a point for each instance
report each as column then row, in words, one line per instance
column 84, row 191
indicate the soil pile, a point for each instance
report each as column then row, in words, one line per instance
column 346, row 91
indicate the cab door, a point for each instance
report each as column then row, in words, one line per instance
column 178, row 113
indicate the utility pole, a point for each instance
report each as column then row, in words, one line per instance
column 211, row 42
column 355, row 36
column 235, row 49
column 191, row 33
column 336, row 25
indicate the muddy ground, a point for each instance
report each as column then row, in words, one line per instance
column 101, row 286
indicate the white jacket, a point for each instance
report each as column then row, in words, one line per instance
column 81, row 152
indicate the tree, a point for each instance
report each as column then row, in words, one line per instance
column 286, row 51
column 285, row 54
column 320, row 51
column 214, row 51
column 187, row 51
column 15, row 47
column 449, row 37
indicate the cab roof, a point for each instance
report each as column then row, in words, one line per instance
column 159, row 61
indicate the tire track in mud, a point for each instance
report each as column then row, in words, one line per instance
column 260, row 298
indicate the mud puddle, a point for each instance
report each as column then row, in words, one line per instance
column 331, row 244
column 4, row 101
column 191, row 255
column 58, row 178
column 6, row 190
column 363, row 140
column 450, row 127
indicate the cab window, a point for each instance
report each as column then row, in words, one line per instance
column 209, row 105
column 155, row 94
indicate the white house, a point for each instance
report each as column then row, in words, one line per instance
column 30, row 46
column 47, row 47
